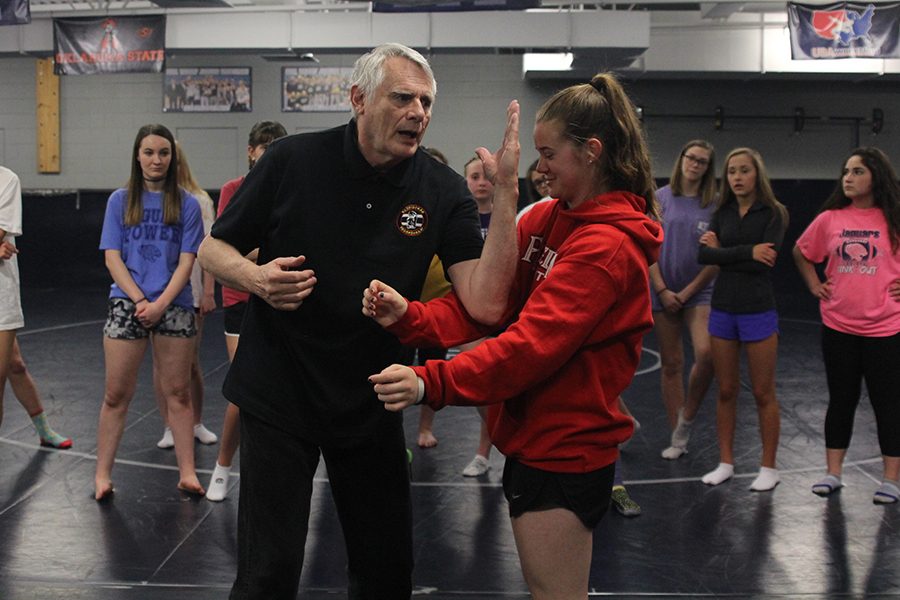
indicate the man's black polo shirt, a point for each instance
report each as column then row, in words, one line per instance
column 315, row 195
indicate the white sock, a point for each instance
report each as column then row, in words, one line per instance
column 218, row 483
column 673, row 452
column 167, row 441
column 204, row 435
column 720, row 474
column 682, row 432
column 766, row 480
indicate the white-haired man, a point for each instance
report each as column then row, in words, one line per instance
column 329, row 212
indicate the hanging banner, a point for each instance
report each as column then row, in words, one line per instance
column 397, row 6
column 15, row 12
column 844, row 30
column 87, row 46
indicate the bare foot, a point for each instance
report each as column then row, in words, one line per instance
column 427, row 439
column 103, row 490
column 191, row 485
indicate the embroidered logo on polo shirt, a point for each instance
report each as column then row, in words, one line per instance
column 412, row 220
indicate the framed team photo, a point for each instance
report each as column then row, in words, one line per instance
column 315, row 89
column 208, row 89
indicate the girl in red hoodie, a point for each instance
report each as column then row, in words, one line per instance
column 576, row 314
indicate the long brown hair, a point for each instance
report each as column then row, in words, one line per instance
column 764, row 191
column 885, row 190
column 707, row 182
column 134, row 211
column 601, row 109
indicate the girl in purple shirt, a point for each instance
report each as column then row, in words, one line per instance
column 682, row 288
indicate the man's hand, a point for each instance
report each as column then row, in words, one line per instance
column 382, row 303
column 282, row 285
column 502, row 167
column 397, row 386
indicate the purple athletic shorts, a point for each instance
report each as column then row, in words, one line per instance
column 750, row 327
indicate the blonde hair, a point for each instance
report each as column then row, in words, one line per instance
column 185, row 176
column 601, row 109
column 764, row 192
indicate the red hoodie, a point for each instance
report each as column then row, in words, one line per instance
column 579, row 306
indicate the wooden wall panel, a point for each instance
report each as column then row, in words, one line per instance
column 47, row 117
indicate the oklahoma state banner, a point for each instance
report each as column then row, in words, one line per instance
column 844, row 30
column 85, row 46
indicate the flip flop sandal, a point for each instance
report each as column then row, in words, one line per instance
column 827, row 486
column 888, row 493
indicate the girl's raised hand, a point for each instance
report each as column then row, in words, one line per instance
column 502, row 167
column 382, row 303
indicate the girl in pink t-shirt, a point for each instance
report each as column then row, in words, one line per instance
column 857, row 235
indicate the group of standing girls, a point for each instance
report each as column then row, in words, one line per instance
column 714, row 278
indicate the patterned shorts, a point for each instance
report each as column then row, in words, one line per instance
column 121, row 324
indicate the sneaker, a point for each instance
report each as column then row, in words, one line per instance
column 478, row 466
column 204, row 435
column 59, row 442
column 623, row 503
column 166, row 441
column 218, row 483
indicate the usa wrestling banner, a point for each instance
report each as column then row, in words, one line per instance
column 87, row 46
column 15, row 12
column 844, row 30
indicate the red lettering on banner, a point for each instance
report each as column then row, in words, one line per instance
column 145, row 55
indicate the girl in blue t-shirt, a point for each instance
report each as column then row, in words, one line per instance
column 151, row 233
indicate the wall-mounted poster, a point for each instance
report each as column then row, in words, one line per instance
column 208, row 89
column 315, row 89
